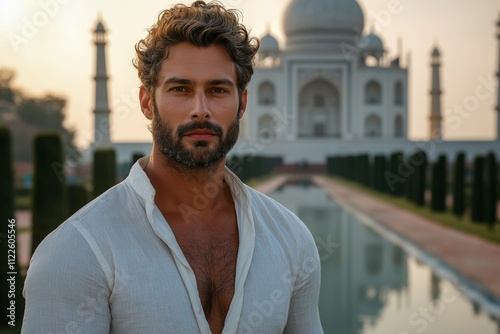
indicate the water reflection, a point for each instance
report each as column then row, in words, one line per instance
column 369, row 285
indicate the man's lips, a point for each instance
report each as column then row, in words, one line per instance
column 200, row 134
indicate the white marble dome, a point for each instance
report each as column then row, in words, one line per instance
column 371, row 43
column 269, row 45
column 322, row 24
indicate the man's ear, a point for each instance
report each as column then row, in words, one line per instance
column 145, row 100
column 243, row 104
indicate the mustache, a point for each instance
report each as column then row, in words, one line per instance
column 183, row 129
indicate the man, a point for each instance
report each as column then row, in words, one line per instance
column 182, row 245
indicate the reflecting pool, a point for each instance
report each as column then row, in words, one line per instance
column 371, row 286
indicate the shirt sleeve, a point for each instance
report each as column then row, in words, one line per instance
column 66, row 289
column 303, row 314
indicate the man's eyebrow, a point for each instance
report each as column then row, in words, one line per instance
column 176, row 80
column 217, row 82
column 214, row 82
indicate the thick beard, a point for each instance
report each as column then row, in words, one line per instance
column 177, row 155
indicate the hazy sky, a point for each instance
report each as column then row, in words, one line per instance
column 58, row 55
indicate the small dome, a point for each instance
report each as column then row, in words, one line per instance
column 269, row 44
column 435, row 52
column 322, row 24
column 371, row 43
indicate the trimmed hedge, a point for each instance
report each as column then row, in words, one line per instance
column 49, row 190
column 439, row 177
column 103, row 170
column 459, row 185
column 477, row 214
column 490, row 187
column 6, row 216
column 77, row 198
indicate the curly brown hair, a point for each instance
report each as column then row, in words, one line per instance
column 201, row 25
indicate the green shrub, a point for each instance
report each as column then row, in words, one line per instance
column 420, row 178
column 438, row 188
column 477, row 214
column 49, row 190
column 490, row 189
column 6, row 216
column 459, row 185
column 77, row 198
column 103, row 170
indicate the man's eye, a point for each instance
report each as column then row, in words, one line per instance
column 218, row 90
column 178, row 89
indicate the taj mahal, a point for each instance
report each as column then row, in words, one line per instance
column 329, row 90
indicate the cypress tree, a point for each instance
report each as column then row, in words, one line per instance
column 396, row 189
column 7, row 218
column 247, row 167
column 420, row 178
column 386, row 169
column 438, row 199
column 459, row 185
column 103, row 170
column 49, row 189
column 135, row 156
column 379, row 179
column 371, row 173
column 490, row 187
column 477, row 191
column 409, row 188
column 77, row 198
column 364, row 170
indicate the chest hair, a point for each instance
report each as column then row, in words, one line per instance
column 213, row 261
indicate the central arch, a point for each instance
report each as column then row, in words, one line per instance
column 319, row 110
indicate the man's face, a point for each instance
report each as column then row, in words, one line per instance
column 196, row 108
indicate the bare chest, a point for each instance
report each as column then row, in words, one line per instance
column 213, row 260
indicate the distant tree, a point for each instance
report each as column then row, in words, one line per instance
column 49, row 190
column 136, row 156
column 77, row 198
column 490, row 189
column 477, row 195
column 438, row 187
column 103, row 170
column 459, row 185
column 7, row 94
column 7, row 218
column 26, row 116
column 420, row 177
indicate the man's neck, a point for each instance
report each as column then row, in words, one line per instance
column 200, row 190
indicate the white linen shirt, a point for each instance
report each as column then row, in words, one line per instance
column 116, row 267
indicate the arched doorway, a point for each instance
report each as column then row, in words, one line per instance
column 319, row 110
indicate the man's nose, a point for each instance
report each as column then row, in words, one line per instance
column 201, row 108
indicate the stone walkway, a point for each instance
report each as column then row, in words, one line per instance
column 469, row 258
column 475, row 259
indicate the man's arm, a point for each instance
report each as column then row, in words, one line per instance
column 303, row 315
column 66, row 289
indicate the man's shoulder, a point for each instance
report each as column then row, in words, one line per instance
column 264, row 202
column 111, row 199
column 95, row 217
column 270, row 212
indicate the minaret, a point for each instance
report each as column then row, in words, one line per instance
column 435, row 118
column 498, row 79
column 101, row 109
